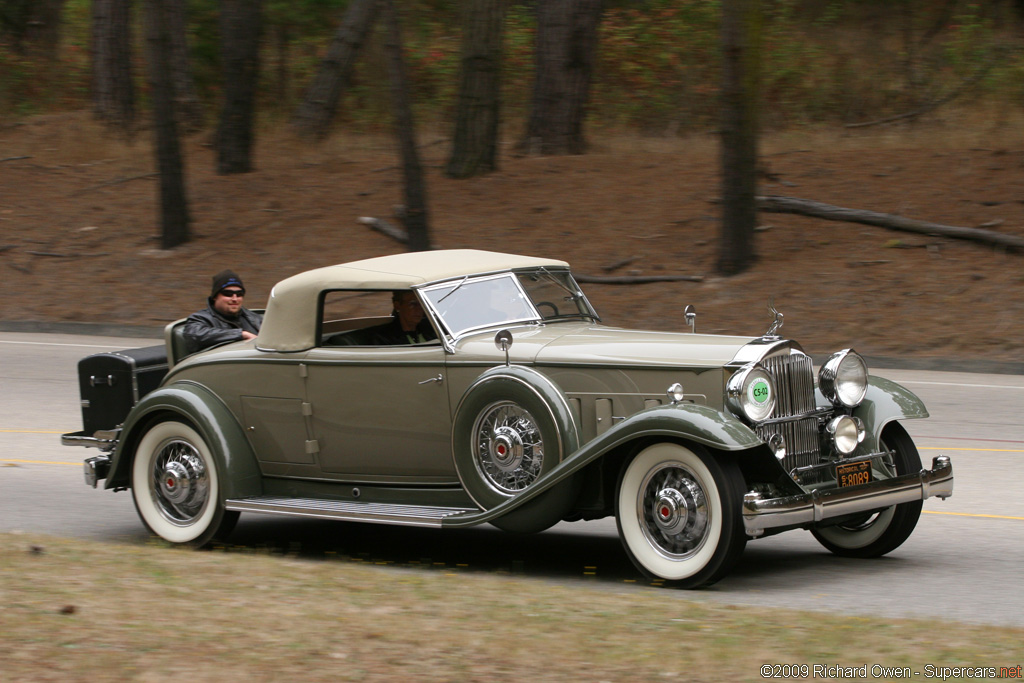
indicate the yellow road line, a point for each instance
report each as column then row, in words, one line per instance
column 927, row 512
column 971, row 514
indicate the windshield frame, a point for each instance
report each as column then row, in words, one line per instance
column 532, row 317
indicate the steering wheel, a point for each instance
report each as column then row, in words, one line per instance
column 554, row 308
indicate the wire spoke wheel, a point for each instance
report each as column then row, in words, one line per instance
column 675, row 511
column 509, row 447
column 176, row 488
column 678, row 513
column 180, row 485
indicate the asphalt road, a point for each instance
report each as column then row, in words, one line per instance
column 962, row 563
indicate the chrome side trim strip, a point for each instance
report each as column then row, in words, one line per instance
column 760, row 514
column 351, row 511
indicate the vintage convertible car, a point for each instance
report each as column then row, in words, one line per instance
column 523, row 411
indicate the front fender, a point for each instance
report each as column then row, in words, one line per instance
column 884, row 402
column 692, row 422
column 197, row 405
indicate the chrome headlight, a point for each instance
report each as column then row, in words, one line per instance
column 751, row 392
column 843, row 379
column 847, row 433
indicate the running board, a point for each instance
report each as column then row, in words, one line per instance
column 351, row 511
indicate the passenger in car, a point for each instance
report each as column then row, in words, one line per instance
column 408, row 323
column 224, row 319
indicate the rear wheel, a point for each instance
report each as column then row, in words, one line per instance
column 176, row 488
column 679, row 514
column 878, row 533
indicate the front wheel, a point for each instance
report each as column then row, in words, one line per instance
column 679, row 514
column 176, row 488
column 876, row 534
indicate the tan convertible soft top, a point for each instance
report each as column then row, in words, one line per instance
column 291, row 317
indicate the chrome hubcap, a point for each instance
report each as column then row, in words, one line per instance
column 673, row 510
column 180, row 482
column 509, row 447
column 506, row 448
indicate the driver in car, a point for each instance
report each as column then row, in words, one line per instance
column 408, row 323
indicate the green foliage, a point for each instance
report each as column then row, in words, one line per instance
column 823, row 61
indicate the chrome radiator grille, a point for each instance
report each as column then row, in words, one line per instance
column 794, row 382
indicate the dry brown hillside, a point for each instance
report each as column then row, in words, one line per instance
column 78, row 226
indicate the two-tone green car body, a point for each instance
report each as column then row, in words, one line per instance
column 523, row 412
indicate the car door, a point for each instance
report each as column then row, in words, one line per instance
column 381, row 414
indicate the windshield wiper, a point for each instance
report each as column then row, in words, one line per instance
column 454, row 289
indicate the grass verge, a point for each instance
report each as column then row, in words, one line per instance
column 74, row 610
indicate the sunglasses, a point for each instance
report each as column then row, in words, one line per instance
column 232, row 292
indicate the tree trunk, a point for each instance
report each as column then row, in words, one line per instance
column 320, row 101
column 741, row 46
column 32, row 24
column 46, row 24
column 283, row 86
column 565, row 54
column 174, row 218
column 240, row 55
column 113, row 90
column 189, row 109
column 416, row 220
column 477, row 116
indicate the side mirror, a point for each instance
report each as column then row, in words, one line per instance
column 690, row 315
column 503, row 340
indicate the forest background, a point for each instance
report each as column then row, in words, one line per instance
column 948, row 73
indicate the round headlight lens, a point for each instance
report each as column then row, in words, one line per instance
column 843, row 379
column 847, row 432
column 751, row 393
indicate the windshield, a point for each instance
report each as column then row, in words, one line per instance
column 555, row 294
column 469, row 304
column 529, row 296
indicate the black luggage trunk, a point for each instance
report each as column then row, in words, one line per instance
column 111, row 383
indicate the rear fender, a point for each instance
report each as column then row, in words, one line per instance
column 195, row 404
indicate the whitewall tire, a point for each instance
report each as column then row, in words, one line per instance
column 176, row 486
column 679, row 513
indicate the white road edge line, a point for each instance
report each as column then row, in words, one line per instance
column 957, row 384
column 84, row 346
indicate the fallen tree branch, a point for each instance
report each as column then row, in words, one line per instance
column 385, row 228
column 116, row 181
column 618, row 264
column 51, row 254
column 635, row 279
column 14, row 158
column 807, row 207
column 930, row 106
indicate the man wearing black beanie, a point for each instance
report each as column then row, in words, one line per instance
column 224, row 319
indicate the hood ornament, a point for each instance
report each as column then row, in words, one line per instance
column 773, row 329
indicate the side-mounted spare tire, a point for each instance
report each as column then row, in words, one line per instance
column 512, row 426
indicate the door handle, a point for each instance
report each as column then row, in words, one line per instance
column 439, row 378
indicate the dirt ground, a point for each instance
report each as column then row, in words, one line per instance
column 78, row 229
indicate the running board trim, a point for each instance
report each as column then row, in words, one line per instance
column 351, row 511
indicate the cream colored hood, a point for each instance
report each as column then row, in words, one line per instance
column 598, row 345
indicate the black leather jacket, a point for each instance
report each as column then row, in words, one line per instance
column 207, row 328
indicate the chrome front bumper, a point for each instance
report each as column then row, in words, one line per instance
column 760, row 513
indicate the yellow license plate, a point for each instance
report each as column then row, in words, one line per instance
column 853, row 473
